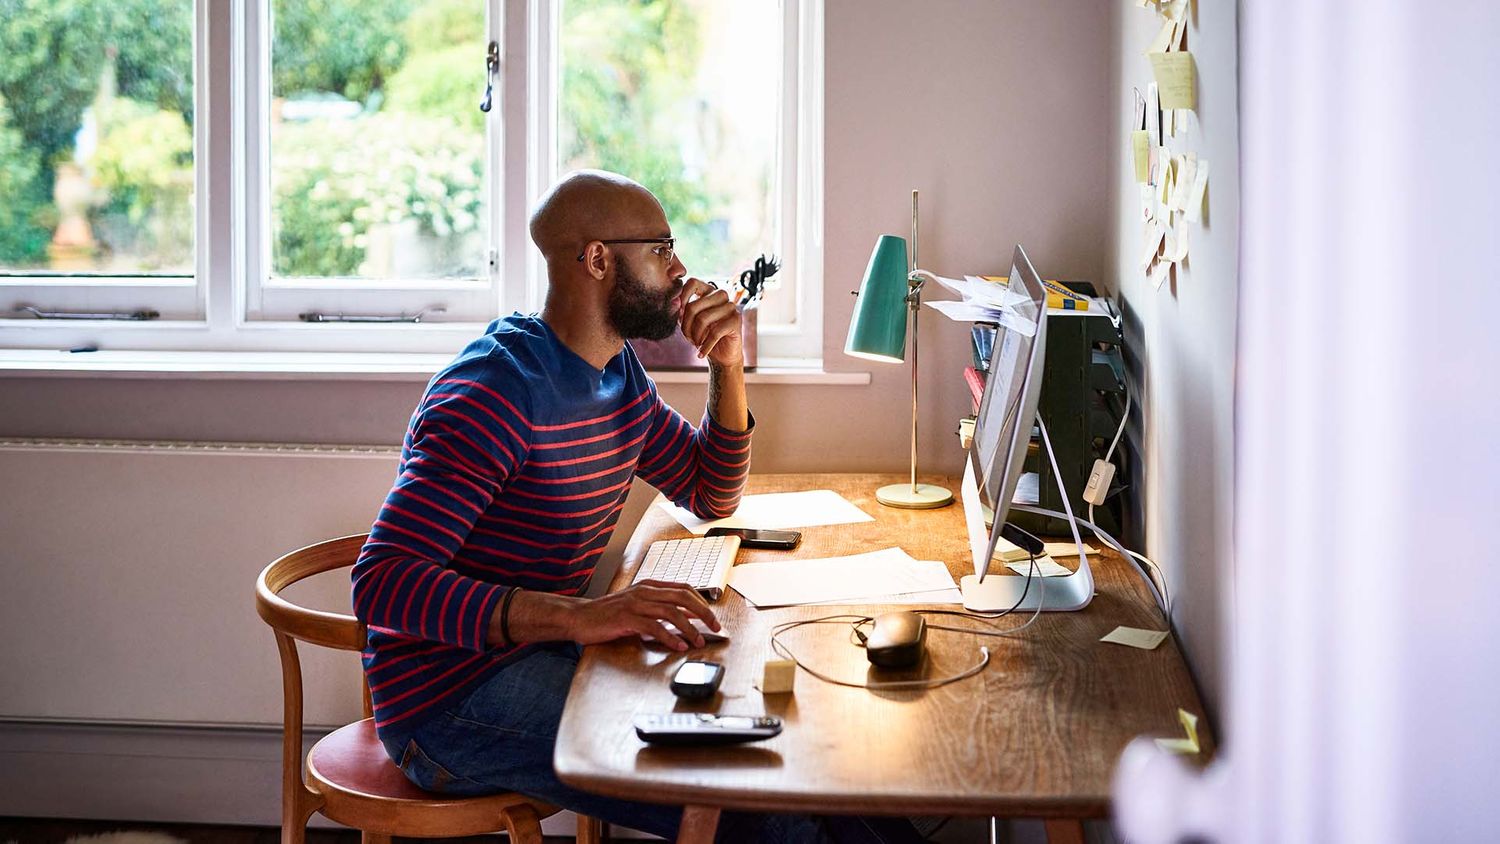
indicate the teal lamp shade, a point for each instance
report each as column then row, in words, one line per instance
column 878, row 329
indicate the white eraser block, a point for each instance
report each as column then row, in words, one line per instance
column 778, row 676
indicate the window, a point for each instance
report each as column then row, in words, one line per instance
column 343, row 170
column 98, row 152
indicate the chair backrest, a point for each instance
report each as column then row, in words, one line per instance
column 290, row 621
column 333, row 630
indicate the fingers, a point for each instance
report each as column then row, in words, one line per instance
column 679, row 619
column 716, row 332
column 654, row 629
column 681, row 595
column 709, row 317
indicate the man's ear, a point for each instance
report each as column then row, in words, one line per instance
column 596, row 259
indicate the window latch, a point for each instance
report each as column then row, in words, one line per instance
column 491, row 70
column 143, row 314
column 315, row 316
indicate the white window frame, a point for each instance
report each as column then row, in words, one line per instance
column 177, row 299
column 228, row 308
column 269, row 299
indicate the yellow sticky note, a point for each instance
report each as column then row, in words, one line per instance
column 1140, row 148
column 1179, row 251
column 1045, row 567
column 1164, row 38
column 1187, row 745
column 1154, row 235
column 1194, row 207
column 1007, row 551
column 1135, row 637
column 1175, row 75
column 1066, row 549
column 1159, row 273
column 1187, row 167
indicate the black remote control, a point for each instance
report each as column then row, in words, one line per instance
column 690, row 728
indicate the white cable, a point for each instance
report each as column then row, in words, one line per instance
column 784, row 652
column 1103, row 536
column 1165, row 594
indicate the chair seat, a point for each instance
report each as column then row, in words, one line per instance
column 352, row 759
column 350, row 768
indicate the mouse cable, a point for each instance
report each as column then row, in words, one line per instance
column 784, row 652
column 856, row 621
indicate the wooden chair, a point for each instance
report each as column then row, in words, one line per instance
column 349, row 777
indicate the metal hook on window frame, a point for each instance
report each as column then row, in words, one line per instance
column 491, row 70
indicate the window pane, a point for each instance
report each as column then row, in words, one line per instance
column 684, row 97
column 96, row 137
column 377, row 141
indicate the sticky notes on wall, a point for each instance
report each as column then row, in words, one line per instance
column 1194, row 207
column 1140, row 152
column 1176, row 78
column 1164, row 38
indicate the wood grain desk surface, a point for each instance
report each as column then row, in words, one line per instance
column 1036, row 734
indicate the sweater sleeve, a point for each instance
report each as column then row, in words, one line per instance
column 703, row 469
column 466, row 439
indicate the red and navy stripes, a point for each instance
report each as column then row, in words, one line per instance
column 513, row 472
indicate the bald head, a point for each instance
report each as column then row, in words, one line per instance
column 588, row 205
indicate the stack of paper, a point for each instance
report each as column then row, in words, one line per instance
column 887, row 576
column 983, row 301
column 778, row 511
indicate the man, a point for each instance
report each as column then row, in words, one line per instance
column 513, row 471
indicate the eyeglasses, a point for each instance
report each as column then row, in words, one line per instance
column 665, row 248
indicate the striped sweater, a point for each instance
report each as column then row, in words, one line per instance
column 513, row 472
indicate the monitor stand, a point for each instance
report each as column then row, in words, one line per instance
column 1001, row 592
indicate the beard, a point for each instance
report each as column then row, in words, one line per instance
column 636, row 312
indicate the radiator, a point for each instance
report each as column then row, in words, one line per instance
column 128, row 576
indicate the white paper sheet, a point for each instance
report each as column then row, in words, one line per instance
column 778, row 511
column 941, row 596
column 977, row 312
column 857, row 577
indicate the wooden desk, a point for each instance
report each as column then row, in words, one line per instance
column 1036, row 734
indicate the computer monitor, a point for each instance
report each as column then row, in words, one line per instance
column 1002, row 438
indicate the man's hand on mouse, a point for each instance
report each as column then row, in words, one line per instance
column 711, row 322
column 639, row 610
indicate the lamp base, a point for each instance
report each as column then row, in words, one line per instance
column 923, row 497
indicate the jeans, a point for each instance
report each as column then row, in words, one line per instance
column 501, row 737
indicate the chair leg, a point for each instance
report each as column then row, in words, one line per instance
column 295, row 810
column 590, row 830
column 523, row 825
column 373, row 838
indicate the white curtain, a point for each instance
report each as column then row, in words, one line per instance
column 1365, row 653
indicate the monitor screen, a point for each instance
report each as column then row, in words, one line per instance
column 1007, row 408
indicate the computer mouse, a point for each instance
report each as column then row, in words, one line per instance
column 897, row 640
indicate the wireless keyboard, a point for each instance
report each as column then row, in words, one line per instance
column 702, row 563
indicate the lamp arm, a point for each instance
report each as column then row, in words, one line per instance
column 916, row 279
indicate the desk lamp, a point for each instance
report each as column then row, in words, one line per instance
column 888, row 301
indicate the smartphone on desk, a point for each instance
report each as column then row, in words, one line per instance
column 784, row 540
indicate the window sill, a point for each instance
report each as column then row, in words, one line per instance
column 324, row 366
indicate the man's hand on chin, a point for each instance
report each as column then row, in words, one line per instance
column 711, row 322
